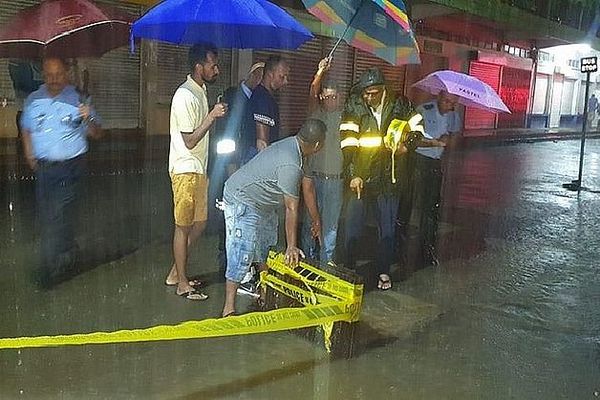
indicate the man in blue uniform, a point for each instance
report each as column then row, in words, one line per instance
column 441, row 122
column 56, row 127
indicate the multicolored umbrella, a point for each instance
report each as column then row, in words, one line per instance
column 240, row 24
column 470, row 91
column 379, row 27
column 64, row 28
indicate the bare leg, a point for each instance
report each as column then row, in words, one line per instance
column 180, row 246
column 230, row 293
column 196, row 230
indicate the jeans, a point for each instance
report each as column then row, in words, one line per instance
column 385, row 207
column 57, row 186
column 249, row 234
column 428, row 182
column 329, row 203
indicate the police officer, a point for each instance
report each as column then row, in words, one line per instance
column 377, row 129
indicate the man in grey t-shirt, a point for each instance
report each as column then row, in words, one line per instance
column 252, row 196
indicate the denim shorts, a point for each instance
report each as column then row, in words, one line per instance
column 250, row 233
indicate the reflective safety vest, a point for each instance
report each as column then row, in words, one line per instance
column 369, row 150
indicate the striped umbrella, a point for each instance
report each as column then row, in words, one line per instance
column 379, row 27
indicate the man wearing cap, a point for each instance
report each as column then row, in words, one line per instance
column 441, row 122
column 252, row 196
column 262, row 114
column 372, row 115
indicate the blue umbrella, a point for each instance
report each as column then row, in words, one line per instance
column 239, row 24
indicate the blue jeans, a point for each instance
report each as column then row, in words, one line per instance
column 57, row 186
column 385, row 207
column 249, row 234
column 329, row 203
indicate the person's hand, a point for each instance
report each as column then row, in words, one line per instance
column 85, row 111
column 293, row 255
column 219, row 110
column 261, row 144
column 315, row 230
column 356, row 185
column 31, row 162
column 324, row 65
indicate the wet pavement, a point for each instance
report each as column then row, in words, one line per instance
column 512, row 312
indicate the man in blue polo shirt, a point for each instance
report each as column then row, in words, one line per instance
column 441, row 121
column 56, row 126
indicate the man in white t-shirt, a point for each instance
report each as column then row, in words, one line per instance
column 188, row 161
column 441, row 122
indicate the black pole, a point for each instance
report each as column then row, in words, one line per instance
column 576, row 184
column 584, row 129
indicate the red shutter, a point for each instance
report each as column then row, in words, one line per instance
column 475, row 118
column 514, row 91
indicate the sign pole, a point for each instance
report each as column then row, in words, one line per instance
column 588, row 65
column 584, row 129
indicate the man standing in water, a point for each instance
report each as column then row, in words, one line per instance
column 55, row 130
column 252, row 196
column 188, row 161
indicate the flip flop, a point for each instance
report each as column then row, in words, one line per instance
column 194, row 282
column 229, row 314
column 384, row 283
column 193, row 295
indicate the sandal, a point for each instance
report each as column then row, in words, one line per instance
column 193, row 295
column 384, row 282
column 229, row 314
column 194, row 282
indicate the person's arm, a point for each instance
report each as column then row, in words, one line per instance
column 191, row 139
column 292, row 252
column 310, row 200
column 262, row 136
column 94, row 130
column 28, row 149
column 315, row 85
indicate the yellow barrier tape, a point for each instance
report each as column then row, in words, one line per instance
column 339, row 301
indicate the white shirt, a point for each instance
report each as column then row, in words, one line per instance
column 377, row 112
column 189, row 107
column 437, row 125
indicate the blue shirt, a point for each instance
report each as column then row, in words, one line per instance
column 57, row 130
column 437, row 125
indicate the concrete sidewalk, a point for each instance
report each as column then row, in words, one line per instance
column 516, row 135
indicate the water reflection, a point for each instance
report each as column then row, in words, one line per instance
column 512, row 311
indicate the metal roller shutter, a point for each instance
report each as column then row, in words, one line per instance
column 114, row 78
column 566, row 103
column 7, row 10
column 490, row 74
column 293, row 99
column 514, row 91
column 557, row 90
column 541, row 94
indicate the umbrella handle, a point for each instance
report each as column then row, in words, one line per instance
column 335, row 46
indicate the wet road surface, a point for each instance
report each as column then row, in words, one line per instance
column 512, row 312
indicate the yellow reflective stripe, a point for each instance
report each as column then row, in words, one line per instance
column 414, row 121
column 370, row 141
column 349, row 142
column 349, row 126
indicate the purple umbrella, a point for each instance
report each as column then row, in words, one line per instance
column 470, row 91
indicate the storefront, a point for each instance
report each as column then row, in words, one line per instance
column 511, row 78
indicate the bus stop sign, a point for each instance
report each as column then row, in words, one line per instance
column 589, row 64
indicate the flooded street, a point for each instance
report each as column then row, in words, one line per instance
column 512, row 312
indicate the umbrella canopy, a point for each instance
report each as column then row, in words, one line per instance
column 236, row 24
column 379, row 27
column 64, row 28
column 471, row 91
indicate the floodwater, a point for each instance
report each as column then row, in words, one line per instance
column 512, row 312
